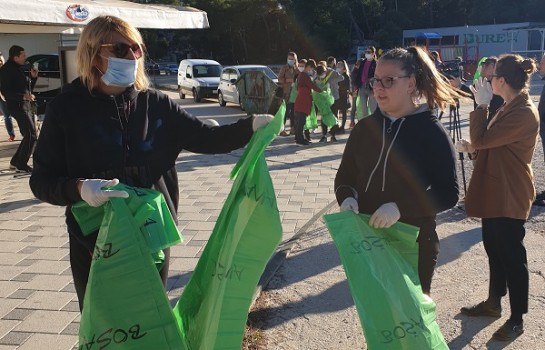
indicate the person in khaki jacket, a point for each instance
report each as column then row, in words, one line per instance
column 501, row 190
column 287, row 75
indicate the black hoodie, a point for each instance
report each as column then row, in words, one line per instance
column 409, row 161
column 135, row 137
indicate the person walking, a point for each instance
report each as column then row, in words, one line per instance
column 354, row 94
column 501, row 189
column 16, row 88
column 408, row 170
column 364, row 74
column 303, row 101
column 108, row 126
column 286, row 77
column 345, row 86
column 331, row 78
column 4, row 109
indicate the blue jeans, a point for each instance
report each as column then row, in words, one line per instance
column 7, row 118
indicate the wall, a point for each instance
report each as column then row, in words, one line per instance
column 479, row 41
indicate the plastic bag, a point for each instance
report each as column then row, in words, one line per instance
column 381, row 268
column 125, row 304
column 293, row 92
column 213, row 309
column 311, row 122
column 324, row 100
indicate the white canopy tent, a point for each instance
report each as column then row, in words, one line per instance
column 61, row 16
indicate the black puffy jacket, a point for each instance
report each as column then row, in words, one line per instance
column 135, row 137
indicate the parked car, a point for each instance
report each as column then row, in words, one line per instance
column 227, row 90
column 48, row 84
column 152, row 69
column 172, row 69
column 198, row 77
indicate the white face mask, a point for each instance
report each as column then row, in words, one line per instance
column 120, row 72
column 301, row 69
column 339, row 70
column 368, row 56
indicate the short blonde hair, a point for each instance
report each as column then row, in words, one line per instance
column 99, row 32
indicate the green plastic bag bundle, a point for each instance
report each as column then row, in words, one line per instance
column 213, row 308
column 324, row 100
column 311, row 122
column 160, row 231
column 381, row 268
column 125, row 304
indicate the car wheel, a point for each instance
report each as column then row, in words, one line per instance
column 240, row 103
column 181, row 92
column 221, row 100
column 196, row 96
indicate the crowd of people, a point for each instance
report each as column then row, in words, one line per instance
column 109, row 126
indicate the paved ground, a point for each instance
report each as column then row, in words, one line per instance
column 38, row 308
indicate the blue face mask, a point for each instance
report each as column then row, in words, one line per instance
column 120, row 72
column 291, row 62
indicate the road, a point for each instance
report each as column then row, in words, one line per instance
column 203, row 110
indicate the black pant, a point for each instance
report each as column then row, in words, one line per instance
column 428, row 251
column 299, row 120
column 22, row 112
column 289, row 114
column 503, row 242
column 80, row 263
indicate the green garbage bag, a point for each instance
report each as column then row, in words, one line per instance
column 293, row 92
column 360, row 110
column 125, row 304
column 311, row 122
column 381, row 268
column 213, row 308
column 324, row 100
column 477, row 74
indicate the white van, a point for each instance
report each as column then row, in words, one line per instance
column 199, row 78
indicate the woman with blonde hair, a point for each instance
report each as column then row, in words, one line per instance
column 399, row 163
column 501, row 190
column 108, row 126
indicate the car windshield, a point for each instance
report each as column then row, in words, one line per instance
column 265, row 70
column 206, row 71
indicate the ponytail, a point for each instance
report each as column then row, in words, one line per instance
column 516, row 70
column 430, row 83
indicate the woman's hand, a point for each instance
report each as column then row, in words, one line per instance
column 92, row 193
column 385, row 216
column 482, row 90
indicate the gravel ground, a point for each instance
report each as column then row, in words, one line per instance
column 308, row 304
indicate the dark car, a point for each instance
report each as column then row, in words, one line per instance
column 48, row 84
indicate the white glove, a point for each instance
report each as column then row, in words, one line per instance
column 350, row 203
column 482, row 90
column 463, row 146
column 92, row 192
column 261, row 120
column 385, row 216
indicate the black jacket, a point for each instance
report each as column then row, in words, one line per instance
column 135, row 137
column 356, row 81
column 410, row 162
column 14, row 83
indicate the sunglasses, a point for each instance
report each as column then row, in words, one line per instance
column 121, row 50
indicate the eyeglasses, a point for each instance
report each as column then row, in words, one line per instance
column 386, row 82
column 121, row 50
